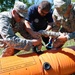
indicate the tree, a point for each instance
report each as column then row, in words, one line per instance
column 8, row 4
column 27, row 2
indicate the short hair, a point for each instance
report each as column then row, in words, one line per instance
column 45, row 5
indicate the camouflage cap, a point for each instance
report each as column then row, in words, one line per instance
column 59, row 3
column 21, row 8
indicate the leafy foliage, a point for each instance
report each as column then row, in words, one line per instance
column 8, row 4
column 27, row 2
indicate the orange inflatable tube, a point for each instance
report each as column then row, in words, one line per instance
column 51, row 62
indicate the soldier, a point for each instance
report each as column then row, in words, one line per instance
column 64, row 19
column 12, row 22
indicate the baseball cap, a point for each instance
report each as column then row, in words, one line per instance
column 59, row 3
column 20, row 8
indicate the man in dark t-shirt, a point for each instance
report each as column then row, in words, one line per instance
column 39, row 18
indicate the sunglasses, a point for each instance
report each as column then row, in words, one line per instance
column 43, row 12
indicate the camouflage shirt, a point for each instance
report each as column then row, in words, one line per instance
column 67, row 24
column 8, row 28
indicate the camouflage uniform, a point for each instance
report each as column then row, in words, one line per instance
column 67, row 24
column 8, row 28
column 64, row 24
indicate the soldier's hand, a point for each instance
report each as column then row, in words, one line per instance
column 59, row 42
column 63, row 37
column 36, row 42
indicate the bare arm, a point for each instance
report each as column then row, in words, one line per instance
column 28, row 28
column 30, row 31
column 49, row 26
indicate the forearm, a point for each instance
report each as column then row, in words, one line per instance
column 49, row 26
column 28, row 27
column 34, row 34
column 49, row 33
